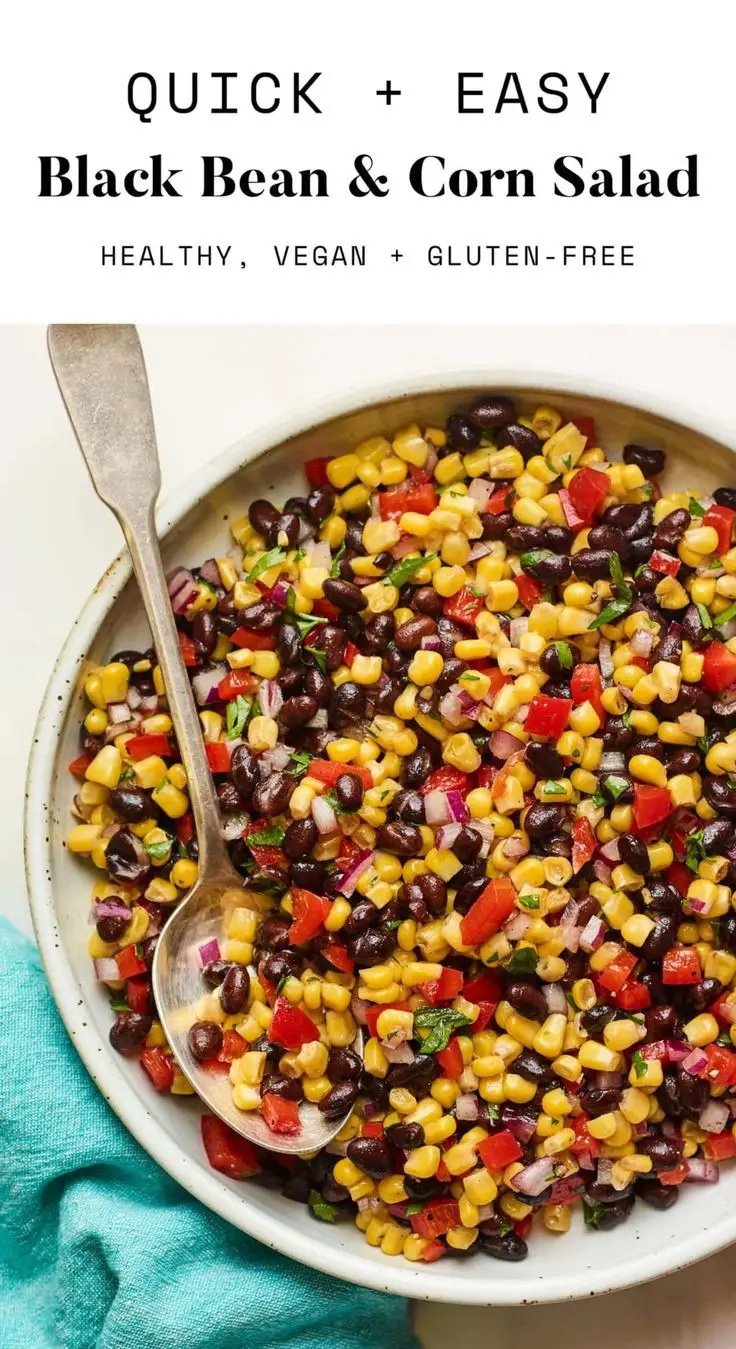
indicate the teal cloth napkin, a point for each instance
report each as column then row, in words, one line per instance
column 99, row 1247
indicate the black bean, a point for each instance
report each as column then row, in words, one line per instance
column 277, row 1084
column 723, row 496
column 615, row 1214
column 288, row 645
column 612, row 540
column 128, row 657
column 91, row 744
column 684, row 761
column 651, row 462
column 692, row 1091
column 344, row 1065
column 126, row 859
column 228, row 797
column 408, row 1136
column 664, row 897
column 634, row 853
column 129, row 1029
column 522, row 538
column 384, row 694
column 718, row 835
column 461, row 433
column 596, row 1018
column 669, row 646
column 510, row 1247
column 702, row 994
column 533, row 1068
column 496, row 526
column 244, row 770
column 662, row 936
column 205, row 631
column 669, row 532
column 717, row 793
column 297, row 711
column 542, row 819
column 592, row 564
column 132, row 803
column 527, row 999
column 599, row 1100
column 261, row 616
column 262, row 515
column 410, row 634
column 493, row 410
column 422, row 1189
column 214, row 972
column 640, row 551
column 409, row 806
column 467, row 894
column 522, row 438
column 468, row 844
column 273, row 933
column 614, row 789
column 205, row 1039
column 661, row 1023
column 433, row 891
column 665, row 1153
column 417, row 768
column 657, row 1195
column 344, row 595
column 272, row 796
column 543, row 760
column 339, row 1100
column 281, row 963
column 349, row 791
column 403, row 839
column 559, row 538
column 235, row 989
column 300, row 838
column 285, row 532
column 364, row 915
column 320, row 503
column 112, row 928
column 378, row 633
column 427, row 601
column 372, row 1155
column 290, row 680
column 372, row 947
column 451, row 672
column 598, row 1193
column 544, row 565
column 347, row 705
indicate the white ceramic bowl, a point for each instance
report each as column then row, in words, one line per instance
column 194, row 526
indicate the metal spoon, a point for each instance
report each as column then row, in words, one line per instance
column 102, row 377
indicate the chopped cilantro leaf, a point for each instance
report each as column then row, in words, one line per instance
column 694, row 850
column 327, row 1213
column 695, row 508
column 272, row 837
column 441, row 1022
column 616, row 785
column 238, row 712
column 564, row 654
column 523, row 960
column 705, row 617
column 639, row 1063
column 269, row 559
column 159, row 849
column 335, row 568
column 529, row 901
column 725, row 617
column 599, row 799
column 301, row 759
column 407, row 569
column 552, row 788
column 119, row 1004
column 320, row 658
column 416, row 1206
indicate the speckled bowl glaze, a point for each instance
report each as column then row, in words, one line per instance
column 193, row 526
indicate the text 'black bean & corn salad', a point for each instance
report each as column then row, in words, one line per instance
column 470, row 707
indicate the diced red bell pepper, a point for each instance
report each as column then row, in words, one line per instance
column 547, row 716
column 674, row 1177
column 681, row 965
column 718, row 1147
column 680, row 876
column 339, row 956
column 450, row 1059
column 185, row 828
column 138, row 993
column 291, row 1027
column 142, row 746
column 464, row 607
column 721, row 519
column 499, row 502
column 324, row 770
column 489, row 912
column 716, row 1008
column 188, row 649
column 499, row 1150
column 587, row 489
column 615, row 975
column 236, row 682
column 129, row 963
column 78, row 767
column 410, row 496
column 586, row 686
column 574, row 520
column 485, row 987
column 633, row 997
column 215, row 1065
column 586, row 427
column 372, row 1128
column 719, row 667
column 437, row 1217
column 372, row 1014
column 316, row 471
column 664, row 563
column 350, row 652
column 652, row 805
column 584, row 842
column 486, row 775
column 434, row 1251
column 218, row 756
column 265, row 855
column 159, row 1067
column 721, row 1069
column 446, row 779
column 255, row 641
column 584, row 1142
column 348, row 853
column 530, row 590
column 443, row 989
column 485, row 1015
column 281, row 1115
column 233, row 1046
column 308, row 915
column 565, row 1191
column 227, row 1151
column 324, row 608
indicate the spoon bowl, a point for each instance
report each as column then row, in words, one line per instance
column 102, row 378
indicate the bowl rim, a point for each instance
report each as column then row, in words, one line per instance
column 397, row 1277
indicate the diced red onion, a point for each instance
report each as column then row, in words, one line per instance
column 205, row 685
column 466, row 1106
column 514, row 848
column 727, row 1010
column 727, row 630
column 569, row 935
column 337, row 1149
column 447, row 834
column 485, row 1211
column 183, row 590
column 458, row 809
column 359, row 1009
column 451, row 708
column 406, row 545
column 118, row 712
column 612, row 761
column 602, row 871
column 323, row 815
column 656, row 1050
column 356, row 869
column 714, row 1116
column 487, row 833
column 670, row 1130
column 320, row 720
column 121, row 728
column 431, row 461
column 437, row 808
column 700, row 1170
column 469, row 706
column 270, row 697
column 642, row 642
column 275, row 759
column 522, row 1126
column 478, row 551
column 369, row 1202
column 431, row 643
column 209, row 950
column 209, row 570
column 604, row 658
column 280, row 593
column 481, row 490
column 110, row 908
column 611, row 851
column 593, row 934
column 106, row 970
column 724, row 705
column 148, row 704
column 319, row 554
column 133, row 697
column 535, row 1178
column 398, row 1053
column 517, row 925
column 585, row 1160
column 554, row 997
column 698, row 905
column 232, row 826
column 569, row 915
column 691, row 722
column 503, row 745
column 566, row 1190
column 605, row 1167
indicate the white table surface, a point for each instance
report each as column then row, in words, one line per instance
column 210, row 386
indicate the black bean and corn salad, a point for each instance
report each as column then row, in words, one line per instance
column 470, row 706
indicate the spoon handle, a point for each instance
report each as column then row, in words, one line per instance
column 102, row 377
